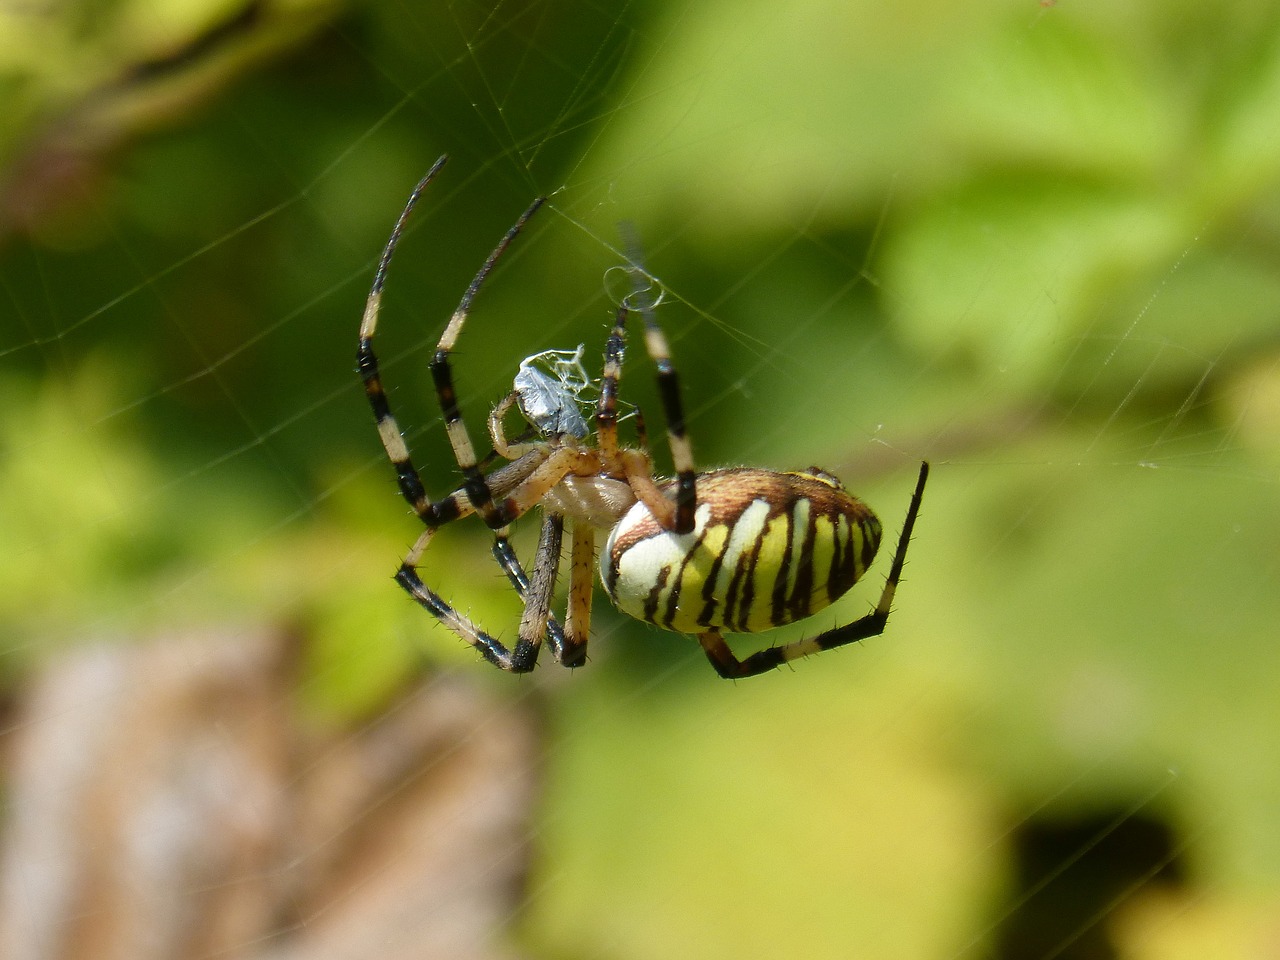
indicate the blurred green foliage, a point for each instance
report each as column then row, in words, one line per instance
column 1036, row 243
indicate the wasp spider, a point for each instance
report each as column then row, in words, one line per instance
column 728, row 551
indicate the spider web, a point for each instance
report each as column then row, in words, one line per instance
column 1031, row 243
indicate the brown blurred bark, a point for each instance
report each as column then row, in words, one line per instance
column 163, row 801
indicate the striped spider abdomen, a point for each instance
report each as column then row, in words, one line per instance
column 767, row 549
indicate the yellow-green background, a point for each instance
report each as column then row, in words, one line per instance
column 1037, row 244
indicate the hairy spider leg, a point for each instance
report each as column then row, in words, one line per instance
column 475, row 496
column 477, row 489
column 479, row 498
column 871, row 625
column 520, row 660
column 655, row 341
column 536, row 592
column 582, row 581
column 506, row 557
column 411, row 488
column 607, row 405
column 529, row 480
column 537, row 596
column 635, row 465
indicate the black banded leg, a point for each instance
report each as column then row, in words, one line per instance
column 636, row 466
column 642, row 431
column 642, row 301
column 673, row 410
column 411, row 488
column 473, row 480
column 872, row 625
column 521, row 660
column 505, row 554
column 607, row 405
column 729, row 666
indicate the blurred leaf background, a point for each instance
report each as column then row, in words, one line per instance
column 1035, row 243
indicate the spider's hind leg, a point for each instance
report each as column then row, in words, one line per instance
column 871, row 625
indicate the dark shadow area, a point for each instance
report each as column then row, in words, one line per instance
column 1073, row 874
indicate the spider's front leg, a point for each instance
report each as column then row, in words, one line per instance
column 478, row 496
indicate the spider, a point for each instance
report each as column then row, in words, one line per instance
column 734, row 550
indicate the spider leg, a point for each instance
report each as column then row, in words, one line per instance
column 871, row 625
column 504, row 447
column 523, row 484
column 655, row 342
column 673, row 409
column 582, row 573
column 607, row 406
column 636, row 465
column 505, row 554
column 642, row 431
column 411, row 488
column 520, row 660
column 537, row 598
column 473, row 479
column 568, row 644
column 475, row 488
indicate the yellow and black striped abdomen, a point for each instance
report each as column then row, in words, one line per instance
column 767, row 549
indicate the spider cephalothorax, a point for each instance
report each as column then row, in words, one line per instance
column 726, row 551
